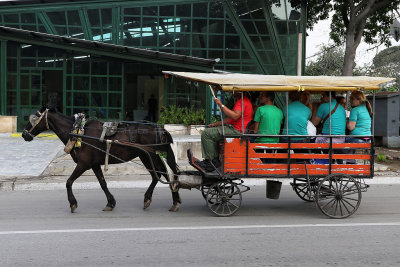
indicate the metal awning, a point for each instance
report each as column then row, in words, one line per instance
column 104, row 49
column 256, row 82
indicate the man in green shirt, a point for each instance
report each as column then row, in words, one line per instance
column 268, row 118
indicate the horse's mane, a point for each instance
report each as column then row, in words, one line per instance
column 54, row 110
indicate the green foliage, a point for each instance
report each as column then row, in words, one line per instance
column 352, row 21
column 195, row 117
column 178, row 115
column 329, row 62
column 386, row 64
column 381, row 157
column 171, row 115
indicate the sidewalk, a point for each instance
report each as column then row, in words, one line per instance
column 42, row 165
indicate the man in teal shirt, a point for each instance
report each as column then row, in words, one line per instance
column 268, row 118
column 297, row 119
column 337, row 118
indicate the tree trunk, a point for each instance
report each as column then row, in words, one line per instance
column 349, row 56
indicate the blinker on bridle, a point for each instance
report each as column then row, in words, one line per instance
column 34, row 120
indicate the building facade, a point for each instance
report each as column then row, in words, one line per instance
column 105, row 58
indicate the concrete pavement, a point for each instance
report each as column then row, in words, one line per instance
column 42, row 165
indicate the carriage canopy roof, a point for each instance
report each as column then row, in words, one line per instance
column 257, row 82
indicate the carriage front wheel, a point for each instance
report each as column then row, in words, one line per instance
column 338, row 196
column 224, row 198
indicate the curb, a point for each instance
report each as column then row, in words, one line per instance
column 42, row 135
column 46, row 186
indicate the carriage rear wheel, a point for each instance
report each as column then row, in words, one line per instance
column 301, row 188
column 338, row 196
column 224, row 198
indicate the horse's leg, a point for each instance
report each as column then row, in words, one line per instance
column 174, row 167
column 175, row 195
column 75, row 175
column 100, row 177
column 149, row 192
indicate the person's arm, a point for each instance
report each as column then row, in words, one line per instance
column 232, row 114
column 316, row 120
column 351, row 125
column 316, row 117
column 218, row 123
column 256, row 124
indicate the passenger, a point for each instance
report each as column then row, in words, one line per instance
column 342, row 101
column 337, row 115
column 359, row 121
column 232, row 126
column 268, row 118
column 296, row 116
column 267, row 121
column 305, row 98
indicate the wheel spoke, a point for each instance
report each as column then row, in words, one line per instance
column 327, row 203
column 344, row 205
column 349, row 198
column 344, row 200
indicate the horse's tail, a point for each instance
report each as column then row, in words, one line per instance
column 167, row 139
column 171, row 160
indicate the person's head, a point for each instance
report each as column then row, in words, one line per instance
column 294, row 96
column 266, row 97
column 358, row 98
column 325, row 96
column 341, row 100
column 305, row 97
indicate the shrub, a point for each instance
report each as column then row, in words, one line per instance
column 381, row 157
column 177, row 115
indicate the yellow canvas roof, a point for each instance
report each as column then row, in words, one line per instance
column 257, row 82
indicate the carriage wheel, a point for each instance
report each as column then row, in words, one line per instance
column 300, row 187
column 338, row 196
column 224, row 198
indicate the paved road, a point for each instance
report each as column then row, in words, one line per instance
column 37, row 229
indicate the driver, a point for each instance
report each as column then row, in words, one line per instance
column 232, row 126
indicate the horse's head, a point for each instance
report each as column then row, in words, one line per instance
column 37, row 124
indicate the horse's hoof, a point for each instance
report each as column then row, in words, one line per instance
column 107, row 208
column 147, row 204
column 174, row 208
column 73, row 208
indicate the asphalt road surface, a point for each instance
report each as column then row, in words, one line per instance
column 37, row 229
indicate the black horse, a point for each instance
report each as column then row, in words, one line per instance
column 91, row 154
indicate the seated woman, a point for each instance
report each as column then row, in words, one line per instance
column 359, row 121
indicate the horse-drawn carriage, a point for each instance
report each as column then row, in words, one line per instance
column 335, row 188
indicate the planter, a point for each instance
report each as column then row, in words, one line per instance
column 196, row 129
column 8, row 124
column 176, row 129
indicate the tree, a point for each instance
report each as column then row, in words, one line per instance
column 329, row 62
column 352, row 20
column 386, row 63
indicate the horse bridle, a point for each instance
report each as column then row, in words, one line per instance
column 44, row 114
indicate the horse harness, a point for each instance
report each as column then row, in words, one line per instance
column 34, row 120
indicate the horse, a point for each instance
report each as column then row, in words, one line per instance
column 92, row 153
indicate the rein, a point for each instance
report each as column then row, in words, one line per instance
column 37, row 122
